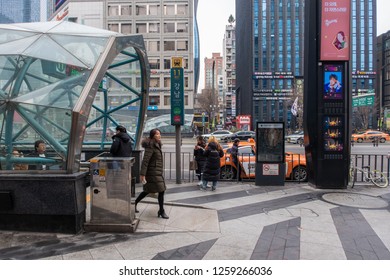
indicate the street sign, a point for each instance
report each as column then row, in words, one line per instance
column 177, row 96
column 360, row 101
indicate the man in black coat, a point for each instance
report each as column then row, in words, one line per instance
column 121, row 145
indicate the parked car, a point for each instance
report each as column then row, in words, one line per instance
column 295, row 138
column 370, row 135
column 217, row 134
column 295, row 163
column 242, row 135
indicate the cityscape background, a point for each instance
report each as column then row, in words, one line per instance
column 199, row 30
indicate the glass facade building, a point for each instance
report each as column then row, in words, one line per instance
column 270, row 40
column 13, row 11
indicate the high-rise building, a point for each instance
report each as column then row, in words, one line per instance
column 229, row 61
column 363, row 62
column 215, row 63
column 15, row 11
column 383, row 80
column 169, row 30
column 269, row 45
column 270, row 42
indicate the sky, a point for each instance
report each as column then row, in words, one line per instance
column 213, row 17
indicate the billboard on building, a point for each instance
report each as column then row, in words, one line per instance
column 335, row 30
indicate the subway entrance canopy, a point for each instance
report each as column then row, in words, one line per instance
column 68, row 85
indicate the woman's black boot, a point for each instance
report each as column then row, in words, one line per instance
column 135, row 208
column 162, row 214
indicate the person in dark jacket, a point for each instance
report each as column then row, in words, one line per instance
column 39, row 151
column 212, row 167
column 152, row 171
column 199, row 157
column 234, row 153
column 121, row 143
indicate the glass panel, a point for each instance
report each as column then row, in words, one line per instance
column 9, row 36
column 169, row 45
column 125, row 10
column 169, row 9
column 17, row 46
column 86, row 49
column 113, row 10
column 126, row 28
column 182, row 9
column 43, row 48
column 140, row 10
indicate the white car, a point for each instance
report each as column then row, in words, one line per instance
column 217, row 134
column 295, row 138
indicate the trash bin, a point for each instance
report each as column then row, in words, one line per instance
column 111, row 207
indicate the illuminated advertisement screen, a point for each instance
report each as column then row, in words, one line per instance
column 335, row 29
column 58, row 4
column 270, row 142
column 333, row 82
column 333, row 134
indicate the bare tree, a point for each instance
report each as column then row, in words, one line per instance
column 208, row 102
column 362, row 117
column 231, row 20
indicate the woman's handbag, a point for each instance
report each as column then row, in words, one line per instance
column 193, row 165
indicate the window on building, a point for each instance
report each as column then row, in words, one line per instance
column 182, row 45
column 125, row 10
column 169, row 27
column 154, row 46
column 186, row 84
column 126, row 28
column 167, row 100
column 138, row 82
column 154, row 63
column 182, row 27
column 185, row 100
column 154, row 100
column 167, row 63
column 154, row 82
column 113, row 27
column 169, row 45
column 154, row 27
column 167, row 82
column 140, row 10
column 154, row 10
column 140, row 28
column 169, row 9
column 182, row 9
column 113, row 10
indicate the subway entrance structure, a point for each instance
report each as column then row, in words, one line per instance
column 68, row 85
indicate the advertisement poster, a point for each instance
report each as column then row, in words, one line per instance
column 335, row 30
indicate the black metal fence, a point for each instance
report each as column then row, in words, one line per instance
column 295, row 166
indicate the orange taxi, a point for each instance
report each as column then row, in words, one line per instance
column 370, row 135
column 295, row 163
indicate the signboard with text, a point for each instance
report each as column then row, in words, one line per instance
column 177, row 96
column 335, row 30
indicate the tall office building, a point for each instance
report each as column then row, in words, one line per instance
column 229, row 62
column 169, row 30
column 269, row 43
column 363, row 64
column 15, row 11
column 383, row 80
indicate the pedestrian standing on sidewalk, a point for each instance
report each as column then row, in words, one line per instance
column 121, row 143
column 212, row 168
column 200, row 157
column 152, row 171
column 234, row 153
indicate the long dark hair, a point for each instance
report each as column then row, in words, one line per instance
column 153, row 132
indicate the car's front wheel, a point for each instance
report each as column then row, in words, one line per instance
column 228, row 172
column 359, row 140
column 382, row 140
column 299, row 173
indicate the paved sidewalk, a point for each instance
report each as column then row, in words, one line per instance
column 238, row 221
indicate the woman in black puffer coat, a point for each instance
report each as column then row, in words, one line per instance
column 152, row 171
column 199, row 157
column 212, row 167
